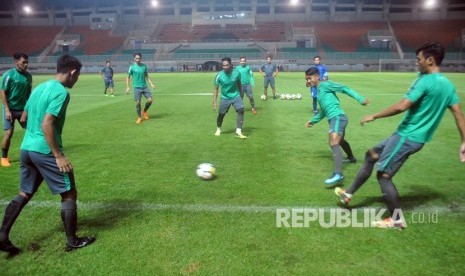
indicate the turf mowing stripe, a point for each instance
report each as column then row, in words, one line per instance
column 218, row 208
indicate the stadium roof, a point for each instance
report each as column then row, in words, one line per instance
column 12, row 5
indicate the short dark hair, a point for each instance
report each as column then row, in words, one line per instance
column 137, row 54
column 316, row 57
column 19, row 55
column 312, row 71
column 432, row 49
column 228, row 59
column 67, row 63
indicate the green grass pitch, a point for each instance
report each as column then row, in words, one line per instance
column 139, row 195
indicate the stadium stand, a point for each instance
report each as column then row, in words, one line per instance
column 26, row 39
column 96, row 42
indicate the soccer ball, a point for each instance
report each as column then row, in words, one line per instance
column 288, row 96
column 263, row 97
column 293, row 96
column 283, row 96
column 206, row 171
column 299, row 96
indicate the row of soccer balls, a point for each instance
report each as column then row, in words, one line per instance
column 286, row 97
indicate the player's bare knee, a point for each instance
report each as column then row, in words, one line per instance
column 371, row 155
column 380, row 175
column 149, row 100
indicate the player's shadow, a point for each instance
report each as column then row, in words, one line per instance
column 418, row 196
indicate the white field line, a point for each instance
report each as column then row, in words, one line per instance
column 215, row 208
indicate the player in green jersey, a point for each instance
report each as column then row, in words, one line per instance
column 42, row 156
column 331, row 109
column 247, row 81
column 230, row 81
column 139, row 73
column 425, row 104
column 15, row 90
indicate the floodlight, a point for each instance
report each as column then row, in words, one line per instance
column 27, row 9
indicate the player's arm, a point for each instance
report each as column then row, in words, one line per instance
column 128, row 79
column 261, row 71
column 460, row 122
column 394, row 109
column 215, row 97
column 47, row 128
column 149, row 80
column 5, row 105
column 276, row 70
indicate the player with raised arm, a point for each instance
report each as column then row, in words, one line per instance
column 425, row 104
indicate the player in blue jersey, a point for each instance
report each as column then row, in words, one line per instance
column 107, row 76
column 269, row 72
column 425, row 104
column 230, row 81
column 323, row 76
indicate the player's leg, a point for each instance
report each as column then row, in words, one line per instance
column 9, row 127
column 248, row 91
column 273, row 87
column 337, row 130
column 112, row 88
column 394, row 156
column 348, row 150
column 266, row 83
column 239, row 107
column 224, row 107
column 137, row 98
column 30, row 179
column 148, row 103
column 105, row 84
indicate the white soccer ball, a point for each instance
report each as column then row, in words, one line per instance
column 283, row 97
column 299, row 96
column 206, row 171
column 288, row 96
column 263, row 97
column 293, row 96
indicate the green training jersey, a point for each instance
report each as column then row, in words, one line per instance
column 430, row 94
column 138, row 74
column 51, row 98
column 229, row 84
column 246, row 74
column 329, row 102
column 17, row 87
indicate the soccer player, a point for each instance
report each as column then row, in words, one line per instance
column 323, row 76
column 138, row 71
column 230, row 81
column 247, row 81
column 331, row 109
column 269, row 71
column 425, row 104
column 42, row 156
column 107, row 76
column 15, row 90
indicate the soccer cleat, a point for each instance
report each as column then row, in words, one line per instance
column 388, row 223
column 334, row 180
column 5, row 162
column 112, row 95
column 106, row 95
column 240, row 135
column 275, row 97
column 350, row 160
column 343, row 196
column 146, row 116
column 80, row 243
column 7, row 246
column 254, row 111
column 139, row 120
column 218, row 132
